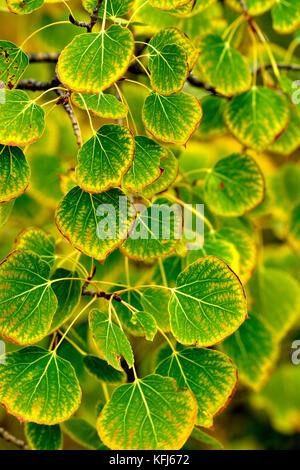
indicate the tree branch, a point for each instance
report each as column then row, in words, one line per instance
column 65, row 102
column 93, row 18
column 43, row 57
column 104, row 295
column 34, row 85
column 12, row 439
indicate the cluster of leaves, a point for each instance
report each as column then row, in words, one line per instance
column 209, row 72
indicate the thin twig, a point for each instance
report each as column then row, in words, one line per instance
column 101, row 294
column 94, row 15
column 12, row 439
column 65, row 102
column 43, row 57
column 199, row 84
column 35, row 85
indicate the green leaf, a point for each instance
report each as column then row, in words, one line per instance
column 280, row 399
column 42, row 437
column 286, row 16
column 208, row 303
column 155, row 301
column 149, row 414
column 289, row 141
column 257, row 117
column 39, row 242
column 103, row 105
column 209, row 375
column 114, row 8
column 168, row 4
column 102, row 371
column 22, row 121
column 254, row 351
column 38, row 386
column 235, row 186
column 206, row 439
column 212, row 123
column 145, row 169
column 169, row 168
column 155, row 233
column 169, row 70
column 22, row 7
column 147, row 323
column 110, row 340
column 267, row 286
column 222, row 66
column 192, row 8
column 172, row 119
column 5, row 211
column 173, row 36
column 105, row 158
column 77, row 220
column 13, row 63
column 27, row 301
column 82, row 432
column 92, row 62
column 254, row 7
column 246, row 248
column 14, row 173
column 68, row 293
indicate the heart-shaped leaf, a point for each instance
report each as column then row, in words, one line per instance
column 27, row 301
column 286, row 16
column 209, row 375
column 77, row 220
column 92, row 62
column 131, row 420
column 103, row 105
column 235, row 186
column 13, row 63
column 146, row 164
column 172, row 119
column 110, row 340
column 222, row 66
column 22, row 121
column 105, row 158
column 208, row 304
column 42, row 437
column 169, row 69
column 254, row 351
column 36, row 385
column 39, row 242
column 14, row 173
column 257, row 117
column 22, row 7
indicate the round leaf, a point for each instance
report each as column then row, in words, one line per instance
column 286, row 16
column 13, row 63
column 149, row 414
column 208, row 303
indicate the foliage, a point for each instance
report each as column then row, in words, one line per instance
column 183, row 102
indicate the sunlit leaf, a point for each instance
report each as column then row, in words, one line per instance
column 68, row 293
column 14, row 173
column 280, row 399
column 257, row 117
column 146, row 165
column 22, row 121
column 39, row 242
column 38, row 386
column 102, row 371
column 235, row 186
column 77, row 220
column 82, row 432
column 286, row 16
column 254, row 351
column 149, row 414
column 168, row 68
column 103, row 105
column 110, row 340
column 92, row 62
column 209, row 375
column 169, row 167
column 208, row 304
column 222, row 66
column 22, row 7
column 172, row 119
column 27, row 301
column 13, row 63
column 42, row 437
column 105, row 158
